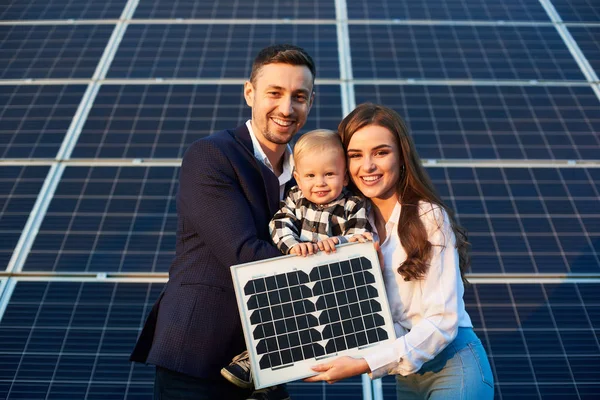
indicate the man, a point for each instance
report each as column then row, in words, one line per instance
column 230, row 186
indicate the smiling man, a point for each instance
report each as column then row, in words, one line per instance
column 230, row 185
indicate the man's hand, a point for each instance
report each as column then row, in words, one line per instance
column 304, row 249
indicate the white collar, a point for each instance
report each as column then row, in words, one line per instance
column 288, row 159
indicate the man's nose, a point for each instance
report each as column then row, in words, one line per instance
column 285, row 105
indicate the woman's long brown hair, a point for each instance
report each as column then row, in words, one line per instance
column 413, row 186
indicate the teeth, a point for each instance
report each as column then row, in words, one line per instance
column 282, row 122
column 370, row 178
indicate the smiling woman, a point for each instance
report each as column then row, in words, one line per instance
column 425, row 254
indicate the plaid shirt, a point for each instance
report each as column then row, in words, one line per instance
column 299, row 220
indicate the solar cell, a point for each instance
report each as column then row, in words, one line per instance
column 526, row 220
column 460, row 52
column 511, row 10
column 220, row 9
column 540, row 338
column 35, row 119
column 74, row 338
column 587, row 40
column 19, row 188
column 60, row 9
column 578, row 10
column 161, row 121
column 216, row 51
column 51, row 51
column 495, row 122
column 108, row 219
column 298, row 311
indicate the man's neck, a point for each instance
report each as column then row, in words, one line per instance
column 275, row 157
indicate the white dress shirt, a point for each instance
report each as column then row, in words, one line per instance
column 426, row 312
column 288, row 161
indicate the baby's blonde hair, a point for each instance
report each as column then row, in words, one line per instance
column 318, row 140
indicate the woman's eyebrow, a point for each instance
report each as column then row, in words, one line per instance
column 381, row 146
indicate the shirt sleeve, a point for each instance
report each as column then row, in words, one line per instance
column 438, row 324
column 284, row 225
column 357, row 221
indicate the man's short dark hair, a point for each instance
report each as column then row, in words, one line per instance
column 284, row 54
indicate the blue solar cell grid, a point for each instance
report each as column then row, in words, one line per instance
column 588, row 40
column 161, row 121
column 35, row 119
column 578, row 10
column 51, row 51
column 541, row 339
column 216, row 51
column 245, row 9
column 108, row 219
column 506, row 10
column 61, row 9
column 19, row 188
column 460, row 52
column 495, row 122
column 526, row 220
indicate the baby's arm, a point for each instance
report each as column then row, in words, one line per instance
column 285, row 225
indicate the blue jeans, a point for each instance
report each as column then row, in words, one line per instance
column 460, row 372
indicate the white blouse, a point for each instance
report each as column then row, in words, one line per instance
column 426, row 312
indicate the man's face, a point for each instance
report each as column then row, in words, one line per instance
column 280, row 98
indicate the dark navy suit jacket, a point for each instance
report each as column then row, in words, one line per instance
column 225, row 201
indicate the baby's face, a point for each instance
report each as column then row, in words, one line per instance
column 321, row 175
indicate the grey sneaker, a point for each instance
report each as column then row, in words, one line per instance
column 278, row 392
column 238, row 371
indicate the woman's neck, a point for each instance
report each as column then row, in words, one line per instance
column 383, row 208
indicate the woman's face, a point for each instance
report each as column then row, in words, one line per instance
column 374, row 162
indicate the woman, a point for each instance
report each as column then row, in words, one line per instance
column 425, row 255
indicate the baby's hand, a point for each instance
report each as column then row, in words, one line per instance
column 328, row 245
column 362, row 237
column 304, row 249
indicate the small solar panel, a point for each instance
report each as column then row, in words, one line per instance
column 34, row 119
column 51, row 51
column 587, row 40
column 223, row 9
column 161, row 121
column 507, row 10
column 460, row 52
column 108, row 219
column 216, row 51
column 578, row 10
column 541, row 338
column 297, row 311
column 61, row 9
column 19, row 188
column 526, row 220
column 495, row 122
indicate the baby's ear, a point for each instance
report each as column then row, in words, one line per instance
column 296, row 175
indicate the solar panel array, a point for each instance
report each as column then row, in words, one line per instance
column 99, row 100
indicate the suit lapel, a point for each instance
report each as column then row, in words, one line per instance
column 271, row 183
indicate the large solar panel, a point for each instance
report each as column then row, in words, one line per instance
column 19, row 188
column 108, row 219
column 587, row 40
column 161, row 121
column 51, row 51
column 246, row 9
column 60, row 9
column 460, row 52
column 34, row 119
column 578, row 10
column 527, row 220
column 495, row 122
column 507, row 10
column 216, row 51
column 541, row 338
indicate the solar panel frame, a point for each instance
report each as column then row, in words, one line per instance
column 577, row 10
column 34, row 119
column 586, row 38
column 51, row 51
column 503, row 122
column 490, row 52
column 332, row 283
column 61, row 9
column 215, row 51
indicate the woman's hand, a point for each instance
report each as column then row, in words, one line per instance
column 340, row 368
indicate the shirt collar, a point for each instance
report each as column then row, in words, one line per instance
column 288, row 159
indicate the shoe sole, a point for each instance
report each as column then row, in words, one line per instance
column 235, row 380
